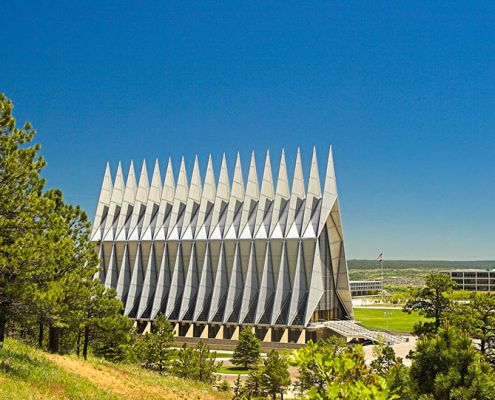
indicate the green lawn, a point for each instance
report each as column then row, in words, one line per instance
column 386, row 320
column 221, row 355
column 233, row 370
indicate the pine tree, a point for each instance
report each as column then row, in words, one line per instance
column 477, row 317
column 47, row 260
column 154, row 347
column 431, row 301
column 447, row 366
column 67, row 292
column 23, row 212
column 247, row 351
column 384, row 359
column 274, row 378
column 196, row 363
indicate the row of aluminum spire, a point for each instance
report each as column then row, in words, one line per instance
column 216, row 252
column 175, row 211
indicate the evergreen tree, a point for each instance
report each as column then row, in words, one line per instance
column 196, row 363
column 21, row 206
column 447, row 366
column 384, row 359
column 239, row 390
column 73, row 266
column 184, row 365
column 154, row 347
column 102, row 326
column 432, row 301
column 390, row 367
column 247, row 351
column 252, row 387
column 477, row 317
column 274, row 374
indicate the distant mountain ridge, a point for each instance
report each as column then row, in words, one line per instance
column 427, row 264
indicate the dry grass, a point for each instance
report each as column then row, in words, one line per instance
column 131, row 382
column 26, row 373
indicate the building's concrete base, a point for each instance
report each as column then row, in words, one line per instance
column 225, row 336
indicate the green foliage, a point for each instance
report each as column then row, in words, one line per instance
column 447, row 366
column 307, row 364
column 247, row 351
column 384, row 359
column 196, row 363
column 329, row 370
column 47, row 260
column 477, row 318
column 112, row 338
column 432, row 301
column 240, row 391
column 153, row 348
column 24, row 216
column 399, row 382
column 223, row 386
column 390, row 367
column 275, row 378
column 271, row 376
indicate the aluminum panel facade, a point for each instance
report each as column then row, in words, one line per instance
column 221, row 254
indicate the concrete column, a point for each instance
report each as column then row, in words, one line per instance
column 190, row 331
column 204, row 334
column 285, row 336
column 235, row 335
column 219, row 334
column 268, row 335
column 147, row 329
column 302, row 337
column 134, row 325
column 176, row 330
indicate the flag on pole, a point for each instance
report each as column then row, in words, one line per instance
column 380, row 257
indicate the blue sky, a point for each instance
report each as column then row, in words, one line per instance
column 404, row 91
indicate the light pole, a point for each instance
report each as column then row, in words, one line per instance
column 387, row 315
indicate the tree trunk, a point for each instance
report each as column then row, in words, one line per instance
column 78, row 343
column 3, row 323
column 53, row 339
column 40, row 334
column 86, row 342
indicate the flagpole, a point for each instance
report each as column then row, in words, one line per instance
column 380, row 260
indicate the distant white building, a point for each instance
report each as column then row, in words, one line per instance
column 478, row 280
column 366, row 288
column 214, row 255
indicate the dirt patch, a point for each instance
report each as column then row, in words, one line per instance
column 124, row 384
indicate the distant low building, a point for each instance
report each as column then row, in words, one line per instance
column 366, row 288
column 478, row 280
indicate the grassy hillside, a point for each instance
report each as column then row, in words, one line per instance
column 27, row 373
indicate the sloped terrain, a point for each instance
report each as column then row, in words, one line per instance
column 27, row 373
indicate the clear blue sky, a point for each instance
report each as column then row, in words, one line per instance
column 405, row 92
